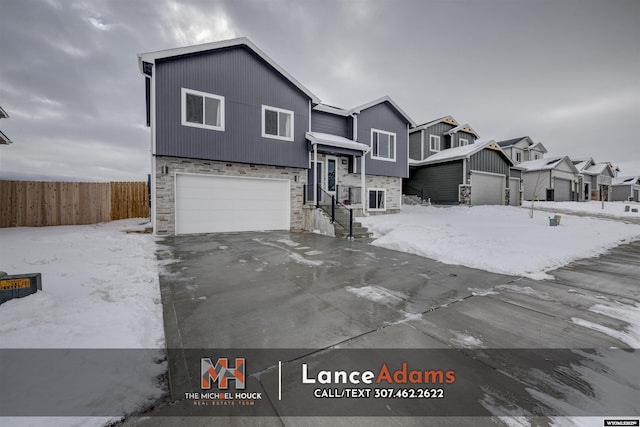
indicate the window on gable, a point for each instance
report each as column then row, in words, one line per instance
column 202, row 110
column 383, row 145
column 537, row 156
column 518, row 156
column 434, row 143
column 377, row 199
column 464, row 142
column 277, row 123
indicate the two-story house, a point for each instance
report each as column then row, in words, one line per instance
column 523, row 149
column 437, row 135
column 448, row 165
column 595, row 179
column 238, row 144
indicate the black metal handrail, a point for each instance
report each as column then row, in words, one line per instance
column 348, row 195
column 337, row 212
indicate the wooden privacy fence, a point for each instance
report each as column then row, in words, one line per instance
column 36, row 203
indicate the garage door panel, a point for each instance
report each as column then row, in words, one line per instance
column 562, row 190
column 213, row 203
column 487, row 189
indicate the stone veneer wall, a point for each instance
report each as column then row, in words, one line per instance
column 165, row 192
column 393, row 185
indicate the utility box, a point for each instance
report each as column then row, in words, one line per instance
column 19, row 286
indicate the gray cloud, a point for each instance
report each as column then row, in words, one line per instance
column 564, row 73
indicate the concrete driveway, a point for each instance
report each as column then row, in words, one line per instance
column 281, row 290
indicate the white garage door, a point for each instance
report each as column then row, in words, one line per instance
column 213, row 204
column 514, row 191
column 562, row 190
column 487, row 189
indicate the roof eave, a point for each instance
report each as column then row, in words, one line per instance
column 152, row 57
column 386, row 98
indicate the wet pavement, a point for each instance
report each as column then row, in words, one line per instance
column 281, row 290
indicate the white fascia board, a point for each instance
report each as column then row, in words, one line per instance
column 538, row 144
column 386, row 98
column 333, row 110
column 3, row 114
column 151, row 57
column 434, row 122
column 462, row 128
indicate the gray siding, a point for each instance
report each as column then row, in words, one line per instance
column 455, row 138
column 384, row 117
column 330, row 123
column 247, row 83
column 438, row 129
column 515, row 173
column 415, row 146
column 438, row 182
column 488, row 160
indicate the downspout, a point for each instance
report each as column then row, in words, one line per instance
column 152, row 113
column 315, row 175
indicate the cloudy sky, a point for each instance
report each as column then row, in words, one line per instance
column 565, row 72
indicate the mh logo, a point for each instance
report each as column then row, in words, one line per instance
column 221, row 372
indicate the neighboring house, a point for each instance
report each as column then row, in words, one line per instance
column 238, row 144
column 552, row 179
column 625, row 188
column 4, row 139
column 476, row 174
column 523, row 149
column 595, row 179
column 432, row 137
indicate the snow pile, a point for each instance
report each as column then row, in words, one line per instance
column 100, row 290
column 378, row 294
column 616, row 209
column 501, row 239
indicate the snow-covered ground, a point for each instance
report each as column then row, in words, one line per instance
column 501, row 239
column 100, row 290
column 616, row 209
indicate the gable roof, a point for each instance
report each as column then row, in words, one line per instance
column 4, row 139
column 583, row 163
column 360, row 108
column 510, row 142
column 447, row 119
column 463, row 128
column 3, row 114
column 546, row 164
column 458, row 153
column 599, row 169
column 152, row 57
column 626, row 180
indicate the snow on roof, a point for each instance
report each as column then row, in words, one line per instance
column 541, row 164
column 457, row 153
column 596, row 169
column 625, row 180
column 582, row 163
column 151, row 57
column 335, row 141
column 510, row 142
column 331, row 109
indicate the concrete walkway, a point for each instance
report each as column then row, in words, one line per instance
column 283, row 290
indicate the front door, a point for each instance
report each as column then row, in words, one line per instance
column 330, row 179
column 312, row 185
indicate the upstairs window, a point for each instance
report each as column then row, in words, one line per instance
column 518, row 156
column 277, row 123
column 202, row 110
column 383, row 145
column 434, row 143
column 463, row 142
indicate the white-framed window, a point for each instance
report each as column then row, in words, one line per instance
column 383, row 145
column 463, row 142
column 537, row 156
column 434, row 143
column 202, row 109
column 377, row 199
column 518, row 156
column 277, row 123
